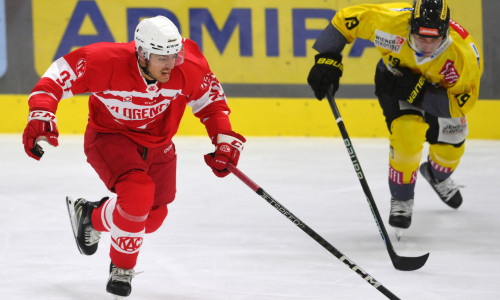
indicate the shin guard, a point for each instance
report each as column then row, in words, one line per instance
column 407, row 139
column 444, row 159
column 135, row 192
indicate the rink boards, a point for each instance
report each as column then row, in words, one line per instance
column 264, row 117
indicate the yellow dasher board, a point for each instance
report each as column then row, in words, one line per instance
column 245, row 42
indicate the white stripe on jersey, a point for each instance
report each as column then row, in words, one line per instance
column 123, row 94
column 214, row 93
column 201, row 103
column 63, row 75
column 126, row 110
column 42, row 92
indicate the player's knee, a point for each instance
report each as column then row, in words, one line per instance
column 135, row 192
column 156, row 217
column 446, row 155
column 408, row 134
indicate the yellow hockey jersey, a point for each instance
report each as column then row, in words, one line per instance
column 456, row 64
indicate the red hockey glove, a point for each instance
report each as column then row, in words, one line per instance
column 41, row 127
column 227, row 150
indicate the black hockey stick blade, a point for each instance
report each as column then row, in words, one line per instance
column 401, row 263
column 408, row 263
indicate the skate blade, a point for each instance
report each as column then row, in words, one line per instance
column 72, row 219
column 399, row 233
column 71, row 213
column 115, row 297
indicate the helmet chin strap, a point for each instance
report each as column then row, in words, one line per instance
column 145, row 68
column 412, row 45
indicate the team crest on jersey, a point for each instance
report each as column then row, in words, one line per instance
column 449, row 72
column 81, row 66
column 388, row 41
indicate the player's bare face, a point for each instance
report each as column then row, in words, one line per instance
column 160, row 66
column 427, row 45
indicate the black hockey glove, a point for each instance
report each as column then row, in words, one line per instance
column 326, row 71
column 407, row 86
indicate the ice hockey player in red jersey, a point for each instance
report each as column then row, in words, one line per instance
column 426, row 82
column 138, row 94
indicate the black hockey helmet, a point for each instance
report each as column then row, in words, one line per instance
column 430, row 18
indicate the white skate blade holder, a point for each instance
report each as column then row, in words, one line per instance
column 71, row 212
column 399, row 233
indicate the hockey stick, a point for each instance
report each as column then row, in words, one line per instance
column 311, row 233
column 402, row 263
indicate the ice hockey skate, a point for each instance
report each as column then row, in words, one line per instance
column 80, row 212
column 400, row 216
column 120, row 281
column 447, row 190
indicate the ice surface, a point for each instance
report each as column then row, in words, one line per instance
column 222, row 241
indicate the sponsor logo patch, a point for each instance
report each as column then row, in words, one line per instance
column 388, row 41
column 439, row 168
column 428, row 31
column 225, row 148
column 459, row 29
column 129, row 244
column 397, row 176
column 206, row 81
column 166, row 150
column 81, row 66
column 455, row 129
column 450, row 72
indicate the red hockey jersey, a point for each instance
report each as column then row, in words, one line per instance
column 122, row 101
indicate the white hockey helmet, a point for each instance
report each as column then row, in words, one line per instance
column 157, row 35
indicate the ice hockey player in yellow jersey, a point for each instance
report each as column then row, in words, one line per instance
column 426, row 81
